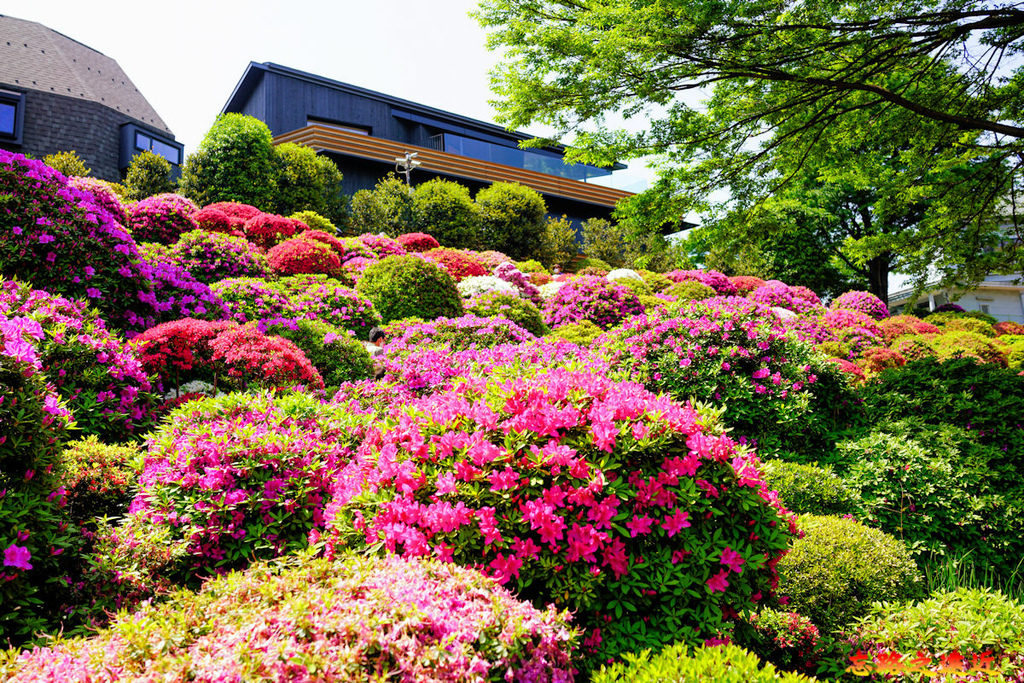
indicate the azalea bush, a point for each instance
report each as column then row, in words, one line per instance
column 863, row 302
column 210, row 256
column 591, row 298
column 410, row 287
column 775, row 293
column 900, row 325
column 455, row 334
column 251, row 299
column 474, row 286
column 327, row 238
column 520, row 311
column 418, row 242
column 321, row 298
column 786, row 639
column 237, row 212
column 336, row 355
column 459, row 264
column 162, row 218
column 103, row 196
column 595, row 495
column 309, row 619
column 177, row 294
column 712, row 278
column 509, row 273
column 267, row 229
column 99, row 478
column 381, row 245
column 210, row 219
column 303, row 256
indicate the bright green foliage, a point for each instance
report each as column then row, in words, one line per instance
column 444, row 209
column 590, row 262
column 840, row 566
column 308, row 182
column 690, row 290
column 235, row 162
column 148, row 174
column 68, row 163
column 315, row 221
column 656, row 281
column 786, row 639
column 559, row 246
column 522, row 312
column 810, row 488
column 582, row 333
column 337, row 356
column 388, row 208
column 985, row 628
column 531, row 266
column 511, row 219
column 1013, row 346
column 407, row 286
column 677, row 664
column 603, row 240
column 933, row 487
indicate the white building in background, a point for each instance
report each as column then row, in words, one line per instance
column 1001, row 296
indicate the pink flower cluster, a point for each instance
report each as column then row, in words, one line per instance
column 508, row 272
column 862, row 302
column 775, row 293
column 162, row 218
column 592, row 298
column 712, row 278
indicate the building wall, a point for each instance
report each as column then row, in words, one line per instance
column 56, row 123
column 1004, row 305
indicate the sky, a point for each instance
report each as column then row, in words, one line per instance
column 187, row 56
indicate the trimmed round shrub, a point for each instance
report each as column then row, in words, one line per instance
column 745, row 284
column 456, row 263
column 356, row 249
column 321, row 298
column 582, row 333
column 455, row 334
column 810, row 489
column 478, row 285
column 178, row 352
column 148, row 174
column 103, row 196
column 531, row 266
column 592, row 298
column 57, row 238
column 1013, row 346
column 863, row 302
column 381, row 245
column 93, row 369
column 690, row 290
column 314, row 221
column 35, row 536
column 840, row 566
column 656, row 281
column 512, row 219
column 267, row 229
column 312, row 619
column 335, row 244
column 337, row 356
column 445, row 210
column 775, row 293
column 250, row 299
column 212, row 219
column 303, row 256
column 388, row 207
column 949, row 308
column 410, row 287
column 591, row 266
column 520, row 311
column 877, row 359
column 492, row 259
column 418, row 242
column 719, row 663
column 238, row 212
column 210, row 257
column 940, row 633
column 595, row 495
column 631, row 279
column 712, row 278
column 99, row 478
column 235, row 162
column 162, row 218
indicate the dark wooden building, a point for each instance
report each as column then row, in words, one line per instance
column 58, row 95
column 364, row 132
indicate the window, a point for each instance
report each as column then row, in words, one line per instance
column 145, row 141
column 12, row 116
column 984, row 309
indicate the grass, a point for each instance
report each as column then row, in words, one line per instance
column 947, row 573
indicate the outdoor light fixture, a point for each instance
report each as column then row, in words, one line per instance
column 404, row 165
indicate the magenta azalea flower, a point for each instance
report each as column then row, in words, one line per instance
column 732, row 559
column 718, row 582
column 17, row 556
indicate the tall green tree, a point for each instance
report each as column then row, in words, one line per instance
column 785, row 85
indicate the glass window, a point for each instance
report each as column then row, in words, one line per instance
column 8, row 118
column 520, row 158
column 169, row 152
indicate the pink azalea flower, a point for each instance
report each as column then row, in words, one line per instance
column 17, row 556
column 675, row 523
column 718, row 582
column 732, row 559
column 639, row 525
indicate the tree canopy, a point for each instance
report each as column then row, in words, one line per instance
column 748, row 95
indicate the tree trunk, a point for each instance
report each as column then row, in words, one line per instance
column 878, row 276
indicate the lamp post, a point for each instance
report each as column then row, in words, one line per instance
column 404, row 165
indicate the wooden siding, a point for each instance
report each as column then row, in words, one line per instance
column 327, row 139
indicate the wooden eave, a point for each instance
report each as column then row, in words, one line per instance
column 328, row 139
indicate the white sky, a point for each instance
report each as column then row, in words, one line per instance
column 186, row 56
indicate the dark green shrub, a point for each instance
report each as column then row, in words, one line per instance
column 308, row 182
column 235, row 162
column 408, row 287
column 68, row 163
column 677, row 664
column 99, row 478
column 387, row 208
column 520, row 311
column 840, row 566
column 559, row 246
column 149, row 174
column 932, row 487
column 444, row 209
column 512, row 219
column 810, row 488
column 336, row 356
column 603, row 240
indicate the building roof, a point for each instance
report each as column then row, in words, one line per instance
column 34, row 57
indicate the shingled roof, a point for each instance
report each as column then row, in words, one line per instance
column 34, row 57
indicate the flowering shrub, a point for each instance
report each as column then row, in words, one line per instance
column 252, row 359
column 712, row 278
column 1007, row 327
column 178, row 352
column 785, row 639
column 879, row 358
column 587, row 268
column 336, row 355
column 418, row 242
column 595, row 495
column 509, row 273
column 900, row 325
column 355, row 249
column 98, row 478
column 846, row 367
column 162, row 218
column 410, row 287
column 103, row 196
column 949, row 308
column 381, row 245
column 176, row 294
column 210, row 257
column 459, row 264
column 775, row 293
column 476, row 285
column 100, row 378
column 34, row 532
column 539, row 279
column 267, row 229
column 549, row 289
column 864, row 302
column 733, row 352
column 336, row 245
column 727, row 663
column 56, row 234
column 745, row 284
column 211, row 219
column 520, row 311
column 492, row 259
column 250, row 299
column 321, row 298
column 303, row 256
column 591, row 298
column 965, row 324
column 455, row 334
column 316, row 620
column 236, row 212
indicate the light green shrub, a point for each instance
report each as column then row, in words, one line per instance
column 235, row 162
column 511, row 219
column 678, row 664
column 149, row 174
column 810, row 488
column 444, row 209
